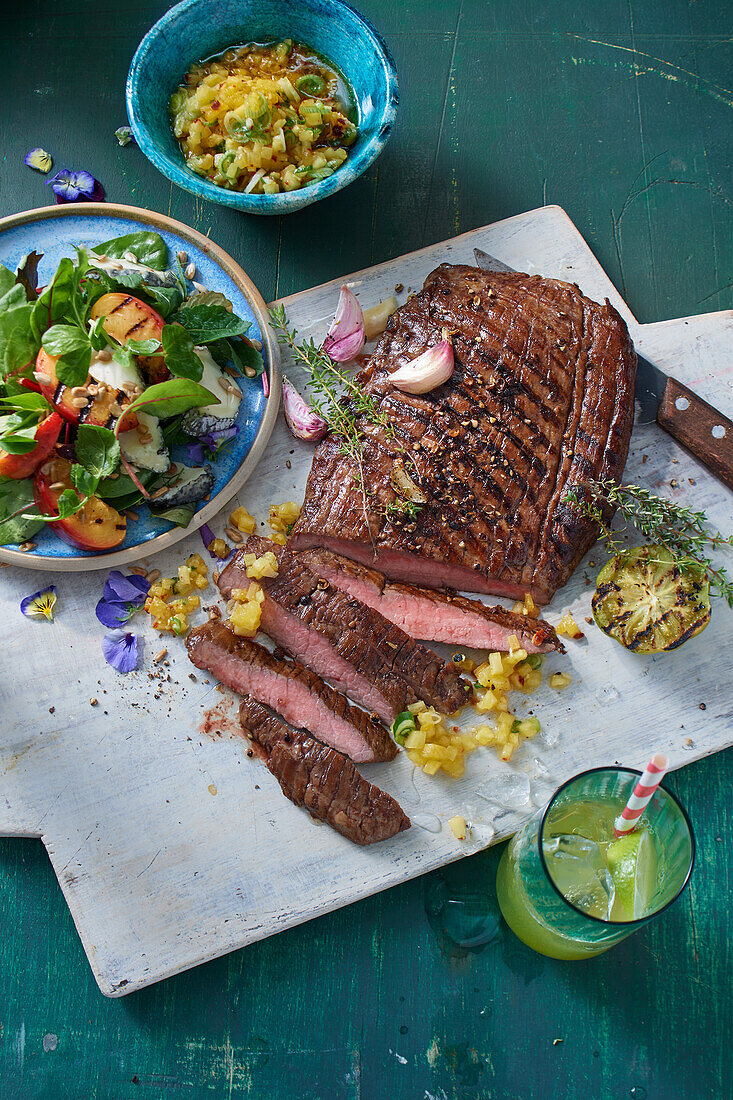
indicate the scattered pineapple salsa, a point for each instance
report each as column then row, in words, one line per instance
column 170, row 600
column 264, row 118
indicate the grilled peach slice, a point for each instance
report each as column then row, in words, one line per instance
column 127, row 318
column 96, row 526
column 99, row 406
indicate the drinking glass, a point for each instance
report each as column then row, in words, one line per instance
column 533, row 906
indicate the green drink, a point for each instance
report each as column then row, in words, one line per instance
column 569, row 889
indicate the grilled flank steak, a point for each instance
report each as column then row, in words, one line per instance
column 290, row 689
column 541, row 400
column 321, row 779
column 431, row 615
column 342, row 639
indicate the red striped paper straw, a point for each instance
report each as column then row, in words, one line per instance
column 641, row 795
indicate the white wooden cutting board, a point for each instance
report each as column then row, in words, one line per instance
column 172, row 847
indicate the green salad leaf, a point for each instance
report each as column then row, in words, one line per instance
column 147, row 248
column 84, row 481
column 18, row 343
column 15, row 497
column 7, row 280
column 97, row 450
column 180, row 358
column 205, row 323
column 170, row 398
column 14, row 297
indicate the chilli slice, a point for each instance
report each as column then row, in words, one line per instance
column 648, row 603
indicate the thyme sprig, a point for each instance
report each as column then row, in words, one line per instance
column 344, row 405
column 685, row 533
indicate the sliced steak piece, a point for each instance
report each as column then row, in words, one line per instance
column 431, row 615
column 342, row 639
column 541, row 401
column 290, row 689
column 321, row 779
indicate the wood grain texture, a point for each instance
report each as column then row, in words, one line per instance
column 622, row 113
column 706, row 433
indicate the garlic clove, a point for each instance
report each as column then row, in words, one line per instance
column 345, row 337
column 302, row 421
column 430, row 369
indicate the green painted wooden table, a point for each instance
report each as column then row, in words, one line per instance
column 621, row 112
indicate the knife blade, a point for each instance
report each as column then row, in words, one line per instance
column 706, row 433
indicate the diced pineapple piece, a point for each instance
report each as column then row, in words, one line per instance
column 243, row 521
column 457, row 826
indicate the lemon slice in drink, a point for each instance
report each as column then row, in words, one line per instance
column 632, row 864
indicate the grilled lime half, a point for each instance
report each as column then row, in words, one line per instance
column 647, row 603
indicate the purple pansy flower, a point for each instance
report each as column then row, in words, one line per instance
column 39, row 159
column 80, row 186
column 208, row 446
column 40, row 604
column 122, row 597
column 207, row 537
column 120, row 650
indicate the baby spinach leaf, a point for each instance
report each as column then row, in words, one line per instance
column 7, row 279
column 143, row 347
column 205, row 323
column 12, row 298
column 209, row 298
column 17, row 496
column 147, row 248
column 97, row 450
column 169, row 399
column 56, row 299
column 60, row 339
column 166, row 299
column 84, row 481
column 180, row 358
column 18, row 344
column 68, row 503
column 73, row 367
column 180, row 514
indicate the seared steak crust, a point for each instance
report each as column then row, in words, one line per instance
column 437, row 616
column 401, row 669
column 321, row 779
column 236, row 662
column 541, row 400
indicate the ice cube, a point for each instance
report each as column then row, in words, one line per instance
column 510, row 790
column 577, row 868
column 549, row 736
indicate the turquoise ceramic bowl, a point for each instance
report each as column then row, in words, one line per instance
column 196, row 29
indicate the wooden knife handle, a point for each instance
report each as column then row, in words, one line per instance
column 706, row 433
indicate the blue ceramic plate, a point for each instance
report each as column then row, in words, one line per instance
column 197, row 29
column 54, row 231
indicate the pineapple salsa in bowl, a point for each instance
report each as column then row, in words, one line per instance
column 264, row 118
column 262, row 106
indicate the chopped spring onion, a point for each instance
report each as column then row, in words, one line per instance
column 310, row 84
column 404, row 724
column 254, row 181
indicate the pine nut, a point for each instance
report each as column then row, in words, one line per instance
column 190, row 271
column 159, row 492
column 104, row 355
column 132, row 515
column 138, row 569
column 79, row 402
column 249, row 372
column 159, row 656
column 43, row 379
column 182, row 257
column 223, row 384
column 233, row 536
column 57, row 485
column 92, row 389
column 256, row 344
column 79, row 391
column 115, row 409
column 25, row 547
column 153, row 575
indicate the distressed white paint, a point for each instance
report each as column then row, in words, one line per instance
column 159, row 872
